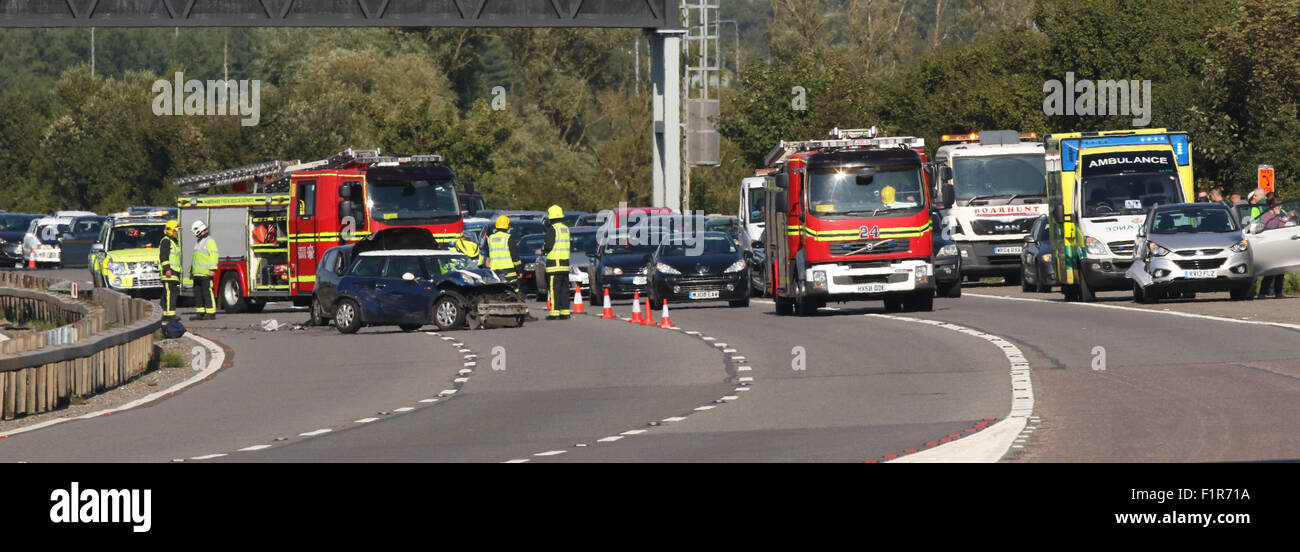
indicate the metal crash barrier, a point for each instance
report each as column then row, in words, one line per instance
column 102, row 339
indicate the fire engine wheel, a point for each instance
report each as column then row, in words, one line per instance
column 232, row 294
column 347, row 316
column 893, row 305
column 923, row 302
column 449, row 311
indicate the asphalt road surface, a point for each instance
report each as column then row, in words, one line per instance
column 1110, row 383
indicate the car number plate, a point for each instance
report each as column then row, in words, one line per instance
column 871, row 288
column 638, row 280
column 704, row 294
column 1199, row 274
column 1008, row 250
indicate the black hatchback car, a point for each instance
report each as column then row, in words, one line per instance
column 1036, row 270
column 707, row 266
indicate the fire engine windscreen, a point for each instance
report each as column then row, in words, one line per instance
column 415, row 201
column 857, row 191
column 997, row 177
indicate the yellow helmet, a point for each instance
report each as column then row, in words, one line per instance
column 887, row 195
column 503, row 222
column 172, row 228
column 555, row 212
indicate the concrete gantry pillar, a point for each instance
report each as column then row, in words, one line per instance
column 666, row 73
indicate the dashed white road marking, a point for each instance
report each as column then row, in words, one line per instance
column 460, row 380
column 428, row 400
column 708, row 338
column 742, row 389
column 254, row 447
column 746, row 378
column 738, row 358
column 314, row 433
column 633, row 432
column 208, row 456
column 728, row 350
column 609, row 439
column 464, row 371
column 705, row 407
column 743, row 368
column 464, row 350
column 403, row 409
column 445, row 392
column 517, row 461
column 551, row 453
column 674, row 419
column 364, row 420
column 730, row 398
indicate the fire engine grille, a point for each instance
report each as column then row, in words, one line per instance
column 1001, row 227
column 1199, row 264
column 892, row 278
column 877, row 247
column 1121, row 247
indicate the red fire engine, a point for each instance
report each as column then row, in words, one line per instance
column 856, row 209
column 281, row 216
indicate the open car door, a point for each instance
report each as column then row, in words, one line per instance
column 1275, row 245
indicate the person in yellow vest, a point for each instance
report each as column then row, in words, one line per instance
column 503, row 255
column 467, row 246
column 202, row 268
column 556, row 249
column 169, row 267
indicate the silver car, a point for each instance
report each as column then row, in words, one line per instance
column 1190, row 247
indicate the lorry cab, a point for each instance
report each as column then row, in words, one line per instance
column 997, row 183
column 753, row 206
column 1100, row 187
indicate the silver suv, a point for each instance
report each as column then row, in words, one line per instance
column 1189, row 247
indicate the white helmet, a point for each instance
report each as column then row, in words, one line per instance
column 198, row 228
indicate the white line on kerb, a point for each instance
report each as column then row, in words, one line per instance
column 207, row 456
column 551, row 453
column 1136, row 309
column 993, row 442
column 254, row 447
column 314, row 433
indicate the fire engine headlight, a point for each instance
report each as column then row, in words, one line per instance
column 948, row 250
column 119, row 269
column 1094, row 246
column 1240, row 247
column 1156, row 249
column 736, row 266
column 819, row 277
column 666, row 269
column 921, row 271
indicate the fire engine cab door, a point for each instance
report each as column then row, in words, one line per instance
column 305, row 238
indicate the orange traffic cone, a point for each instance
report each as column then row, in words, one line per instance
column 649, row 319
column 609, row 311
column 577, row 301
column 665, row 322
column 31, row 263
column 636, row 307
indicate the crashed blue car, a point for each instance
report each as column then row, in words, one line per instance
column 414, row 285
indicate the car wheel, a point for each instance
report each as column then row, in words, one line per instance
column 449, row 311
column 317, row 313
column 232, row 294
column 1243, row 293
column 409, row 327
column 347, row 316
column 1012, row 279
column 739, row 303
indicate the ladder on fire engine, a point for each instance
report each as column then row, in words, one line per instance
column 841, row 139
column 276, row 173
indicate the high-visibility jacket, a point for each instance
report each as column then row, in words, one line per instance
column 557, row 248
column 467, row 247
column 500, row 258
column 205, row 257
column 169, row 258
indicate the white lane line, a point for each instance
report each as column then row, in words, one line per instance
column 464, row 350
column 1137, row 309
column 254, row 447
column 460, row 380
column 445, row 338
column 709, row 338
column 207, row 456
column 403, row 409
column 746, row 378
column 743, row 369
column 995, row 441
column 728, row 350
column 517, row 461
column 464, row 371
column 609, row 439
column 364, row 420
column 730, row 398
column 720, row 345
column 315, row 433
column 674, row 419
column 633, row 432
column 738, row 358
column 742, row 389
column 446, row 392
column 457, row 344
column 705, row 407
column 551, row 453
column 471, row 364
column 692, row 332
column 428, row 400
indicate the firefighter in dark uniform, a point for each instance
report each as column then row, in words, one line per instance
column 202, row 268
column 556, row 249
column 169, row 268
